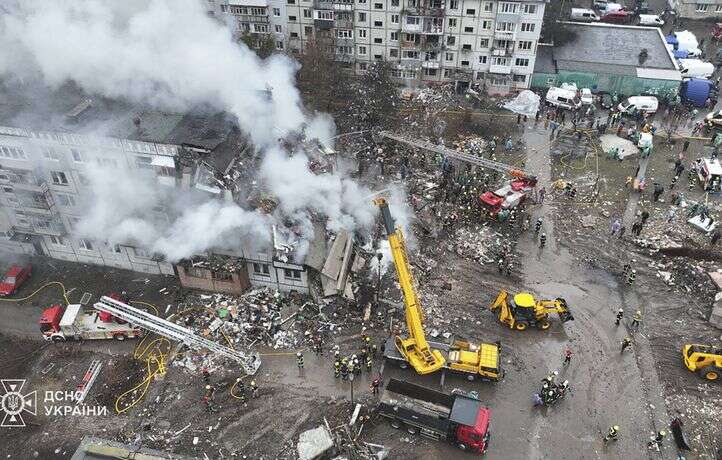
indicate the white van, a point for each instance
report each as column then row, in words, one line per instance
column 583, row 15
column 564, row 98
column 650, row 20
column 694, row 68
column 645, row 104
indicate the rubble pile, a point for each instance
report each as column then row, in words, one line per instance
column 702, row 415
column 479, row 243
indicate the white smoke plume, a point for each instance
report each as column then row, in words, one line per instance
column 169, row 54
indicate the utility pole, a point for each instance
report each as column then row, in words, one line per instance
column 379, row 256
column 350, row 377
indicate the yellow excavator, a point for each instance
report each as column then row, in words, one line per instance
column 523, row 310
column 705, row 360
column 471, row 360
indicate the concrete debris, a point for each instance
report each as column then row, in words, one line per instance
column 313, row 443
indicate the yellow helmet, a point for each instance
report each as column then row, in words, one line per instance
column 616, row 427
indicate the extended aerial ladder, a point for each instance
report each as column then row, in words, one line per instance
column 461, row 156
column 415, row 349
column 249, row 361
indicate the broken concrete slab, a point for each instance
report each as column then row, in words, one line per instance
column 314, row 443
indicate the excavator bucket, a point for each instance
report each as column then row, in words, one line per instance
column 564, row 313
column 506, row 316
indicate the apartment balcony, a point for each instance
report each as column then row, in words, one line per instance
column 505, row 35
column 323, row 24
column 411, row 28
column 252, row 18
column 343, row 57
column 508, row 17
column 323, row 4
column 432, row 29
column 342, row 6
column 463, row 74
column 431, row 64
column 49, row 228
column 500, row 69
column 344, row 42
column 432, row 46
column 505, row 52
column 343, row 24
column 410, row 45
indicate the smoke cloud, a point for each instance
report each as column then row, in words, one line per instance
column 169, row 54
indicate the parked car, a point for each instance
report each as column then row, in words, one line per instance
column 586, row 96
column 600, row 4
column 694, row 68
column 650, row 20
column 617, row 17
column 15, row 277
column 583, row 15
column 607, row 101
column 564, row 98
column 645, row 104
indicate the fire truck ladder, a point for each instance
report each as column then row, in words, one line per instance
column 250, row 362
column 455, row 154
column 82, row 389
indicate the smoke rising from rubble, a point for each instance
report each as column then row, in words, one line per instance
column 170, row 55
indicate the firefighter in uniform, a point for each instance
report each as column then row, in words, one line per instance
column 344, row 369
column 299, row 360
column 620, row 315
column 637, row 319
column 631, row 278
column 542, row 240
column 337, row 368
column 369, row 363
column 612, row 434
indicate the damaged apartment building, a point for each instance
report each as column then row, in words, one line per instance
column 48, row 146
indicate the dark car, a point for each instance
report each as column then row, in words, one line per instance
column 607, row 101
column 14, row 278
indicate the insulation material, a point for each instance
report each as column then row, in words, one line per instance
column 526, row 103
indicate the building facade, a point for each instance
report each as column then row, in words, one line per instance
column 697, row 9
column 492, row 43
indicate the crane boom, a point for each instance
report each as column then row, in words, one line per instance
column 461, row 156
column 160, row 326
column 415, row 348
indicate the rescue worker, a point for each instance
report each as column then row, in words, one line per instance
column 337, row 368
column 620, row 315
column 344, row 369
column 206, row 375
column 550, row 378
column 631, row 278
column 612, row 434
column 537, row 226
column 350, row 366
column 626, row 269
column 369, row 363
column 254, row 388
column 374, row 350
column 375, row 384
column 500, row 264
column 637, row 319
column 692, row 177
column 542, row 240
column 567, row 356
column 299, row 360
column 626, row 343
column 657, row 440
column 356, row 365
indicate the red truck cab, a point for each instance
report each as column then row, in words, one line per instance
column 15, row 277
column 473, row 431
column 50, row 320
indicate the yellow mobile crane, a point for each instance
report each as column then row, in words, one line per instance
column 472, row 360
column 524, row 310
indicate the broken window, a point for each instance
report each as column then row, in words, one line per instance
column 222, row 275
column 261, row 269
column 85, row 244
column 451, row 40
column 197, row 272
column 59, row 178
column 57, row 241
column 15, row 153
column 452, row 22
column 292, row 274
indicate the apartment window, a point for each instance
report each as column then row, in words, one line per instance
column 525, row 45
column 466, row 47
column 483, row 43
column 345, row 33
column 362, row 1
column 454, row 5
column 143, row 162
column 430, row 72
column 502, row 61
column 528, row 26
column 464, row 63
column 291, row 18
column 261, row 269
column 115, row 248
column 486, row 25
column 450, row 40
column 394, row 2
column 59, row 178
column 278, row 28
column 260, row 28
column 308, row 30
column 49, row 153
column 15, row 153
column 506, row 7
column 292, row 274
column 362, row 17
column 718, row 9
column 701, row 8
column 85, row 244
column 470, row 11
column 279, row 45
column 483, row 59
column 362, row 50
column 277, row 12
column 469, row 30
column 224, row 8
column 362, row 33
column 529, row 9
column 378, row 41
column 290, row 2
column 452, row 22
column 410, row 54
column 77, row 155
column 378, row 24
column 449, row 56
column 447, row 73
column 393, row 52
column 294, row 34
column 505, row 26
column 519, row 78
column 413, row 20
column 65, row 200
column 306, row 13
column 394, row 36
column 362, row 66
column 378, row 6
column 107, row 162
column 522, row 62
column 222, row 275
column 57, row 240
column 394, row 19
column 488, row 7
